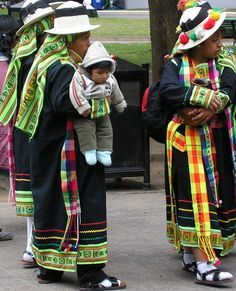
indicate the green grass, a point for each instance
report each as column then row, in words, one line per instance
column 134, row 53
column 120, row 27
column 4, row 11
column 117, row 27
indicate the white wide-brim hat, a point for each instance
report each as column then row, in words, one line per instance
column 97, row 53
column 32, row 11
column 71, row 18
column 197, row 25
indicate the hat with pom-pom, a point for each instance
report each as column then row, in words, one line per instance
column 197, row 24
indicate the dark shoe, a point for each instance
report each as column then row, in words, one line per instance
column 28, row 260
column 47, row 276
column 5, row 235
column 110, row 283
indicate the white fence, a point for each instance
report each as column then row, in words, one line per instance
column 143, row 4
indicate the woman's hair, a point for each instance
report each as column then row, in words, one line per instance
column 99, row 65
column 8, row 29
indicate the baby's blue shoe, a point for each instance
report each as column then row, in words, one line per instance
column 90, row 157
column 104, row 157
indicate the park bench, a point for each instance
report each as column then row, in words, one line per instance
column 229, row 27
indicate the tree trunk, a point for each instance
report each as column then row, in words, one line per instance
column 164, row 19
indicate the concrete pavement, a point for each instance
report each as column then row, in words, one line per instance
column 138, row 250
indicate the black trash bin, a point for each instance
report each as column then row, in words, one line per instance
column 131, row 153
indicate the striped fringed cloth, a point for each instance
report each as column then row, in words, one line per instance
column 200, row 200
column 199, row 193
column 69, row 186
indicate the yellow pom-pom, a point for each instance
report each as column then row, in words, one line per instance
column 178, row 29
column 215, row 15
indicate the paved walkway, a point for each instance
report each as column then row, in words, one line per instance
column 138, row 250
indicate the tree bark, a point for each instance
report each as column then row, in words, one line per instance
column 164, row 19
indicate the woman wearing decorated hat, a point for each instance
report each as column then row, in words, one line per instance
column 70, row 227
column 37, row 16
column 198, row 90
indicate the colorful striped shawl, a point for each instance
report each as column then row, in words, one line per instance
column 69, row 185
column 54, row 48
column 26, row 46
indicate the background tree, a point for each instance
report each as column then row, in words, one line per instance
column 164, row 19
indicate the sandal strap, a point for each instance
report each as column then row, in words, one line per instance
column 114, row 281
column 215, row 273
column 190, row 267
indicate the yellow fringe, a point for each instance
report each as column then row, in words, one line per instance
column 204, row 243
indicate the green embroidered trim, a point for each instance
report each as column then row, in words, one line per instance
column 224, row 99
column 99, row 107
column 51, row 259
column 201, row 96
column 92, row 254
column 24, row 210
column 24, row 203
column 188, row 237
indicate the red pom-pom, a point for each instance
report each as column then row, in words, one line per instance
column 113, row 57
column 209, row 24
column 183, row 38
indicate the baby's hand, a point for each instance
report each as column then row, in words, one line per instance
column 86, row 113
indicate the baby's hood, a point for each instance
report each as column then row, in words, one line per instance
column 97, row 53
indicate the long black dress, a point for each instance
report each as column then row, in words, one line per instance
column 50, row 217
column 183, row 213
column 21, row 148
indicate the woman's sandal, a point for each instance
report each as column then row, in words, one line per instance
column 201, row 278
column 46, row 276
column 30, row 263
column 113, row 284
column 190, row 267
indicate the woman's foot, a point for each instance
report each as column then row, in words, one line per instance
column 208, row 274
column 189, row 263
column 28, row 260
column 47, row 276
column 110, row 283
column 5, row 235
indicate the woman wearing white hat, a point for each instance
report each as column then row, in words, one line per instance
column 198, row 89
column 69, row 195
column 36, row 16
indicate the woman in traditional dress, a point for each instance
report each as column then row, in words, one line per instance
column 37, row 16
column 70, row 227
column 198, row 89
column 8, row 28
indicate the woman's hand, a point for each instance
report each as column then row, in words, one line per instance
column 201, row 115
column 195, row 116
column 215, row 103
